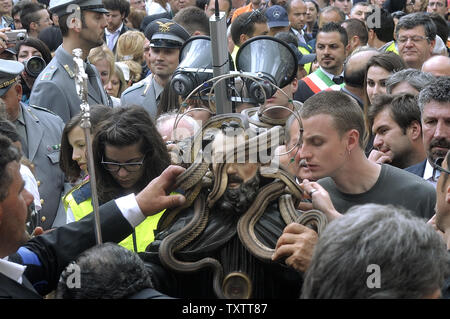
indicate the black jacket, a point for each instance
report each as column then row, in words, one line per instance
column 46, row 256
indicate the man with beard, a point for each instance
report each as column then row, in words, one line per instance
column 82, row 25
column 434, row 104
column 331, row 50
column 397, row 130
column 244, row 275
column 31, row 269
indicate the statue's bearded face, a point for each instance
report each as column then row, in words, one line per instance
column 237, row 200
column 243, row 178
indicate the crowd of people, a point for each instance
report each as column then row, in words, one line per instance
column 360, row 91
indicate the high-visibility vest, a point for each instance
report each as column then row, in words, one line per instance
column 306, row 49
column 79, row 200
column 319, row 81
column 391, row 48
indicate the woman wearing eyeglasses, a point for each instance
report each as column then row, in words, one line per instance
column 128, row 154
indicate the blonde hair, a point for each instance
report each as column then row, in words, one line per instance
column 130, row 50
column 123, row 83
column 102, row 53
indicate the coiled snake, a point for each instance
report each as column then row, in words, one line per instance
column 196, row 183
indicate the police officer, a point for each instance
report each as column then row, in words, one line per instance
column 166, row 38
column 82, row 24
column 40, row 134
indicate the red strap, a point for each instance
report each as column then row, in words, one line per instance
column 311, row 85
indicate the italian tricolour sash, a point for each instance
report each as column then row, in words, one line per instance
column 319, row 81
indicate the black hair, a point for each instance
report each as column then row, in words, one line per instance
column 334, row 27
column 385, row 30
column 123, row 6
column 245, row 24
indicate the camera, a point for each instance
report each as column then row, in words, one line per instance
column 15, row 36
column 34, row 65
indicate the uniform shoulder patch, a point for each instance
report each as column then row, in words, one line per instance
column 48, row 73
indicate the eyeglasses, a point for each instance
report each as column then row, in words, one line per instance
column 437, row 166
column 414, row 39
column 129, row 167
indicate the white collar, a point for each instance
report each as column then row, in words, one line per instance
column 331, row 76
column 12, row 270
column 428, row 172
column 115, row 32
column 297, row 31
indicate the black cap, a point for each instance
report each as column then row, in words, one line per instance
column 62, row 7
column 148, row 19
column 9, row 71
column 165, row 33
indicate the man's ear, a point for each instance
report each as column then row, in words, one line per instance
column 354, row 42
column 447, row 196
column 371, row 34
column 414, row 130
column 352, row 139
column 33, row 26
column 432, row 43
column 242, row 38
column 18, row 90
column 294, row 85
column 74, row 23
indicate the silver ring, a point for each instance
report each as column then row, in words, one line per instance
column 311, row 192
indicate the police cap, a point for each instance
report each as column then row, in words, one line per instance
column 9, row 72
column 165, row 33
column 62, row 7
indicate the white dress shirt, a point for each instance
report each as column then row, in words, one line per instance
column 428, row 174
column 331, row 76
column 300, row 35
column 129, row 208
column 12, row 270
column 112, row 37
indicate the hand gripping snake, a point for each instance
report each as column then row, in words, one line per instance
column 193, row 181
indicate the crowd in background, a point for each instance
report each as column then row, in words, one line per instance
column 370, row 85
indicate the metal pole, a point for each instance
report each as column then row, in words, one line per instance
column 220, row 61
column 81, row 81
